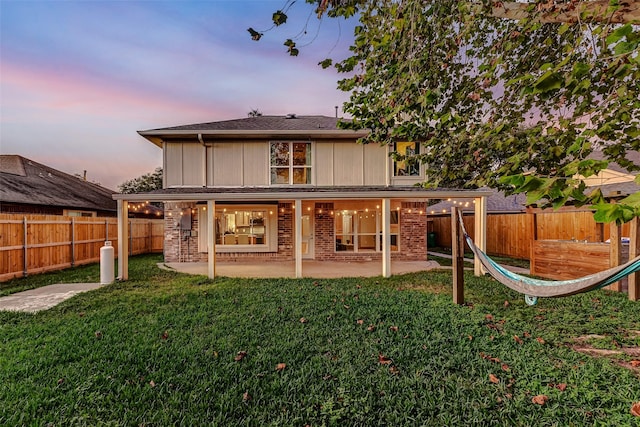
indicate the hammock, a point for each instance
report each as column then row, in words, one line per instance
column 534, row 288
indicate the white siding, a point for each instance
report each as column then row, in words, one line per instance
column 173, row 161
column 192, row 165
column 246, row 163
column 375, row 164
column 323, row 163
column 255, row 163
column 348, row 164
column 227, row 164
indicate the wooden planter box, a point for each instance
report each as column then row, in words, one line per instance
column 566, row 259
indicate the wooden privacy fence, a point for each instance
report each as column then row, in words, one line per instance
column 563, row 244
column 511, row 235
column 38, row 243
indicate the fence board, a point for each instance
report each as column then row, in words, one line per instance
column 562, row 260
column 510, row 235
column 53, row 242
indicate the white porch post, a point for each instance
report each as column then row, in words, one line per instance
column 123, row 240
column 211, row 239
column 480, row 238
column 297, row 243
column 386, row 237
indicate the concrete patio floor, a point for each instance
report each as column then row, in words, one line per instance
column 312, row 269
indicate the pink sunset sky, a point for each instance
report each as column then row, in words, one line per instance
column 79, row 78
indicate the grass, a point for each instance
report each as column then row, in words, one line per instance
column 523, row 263
column 161, row 349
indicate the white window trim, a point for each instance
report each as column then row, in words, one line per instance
column 356, row 235
column 407, row 178
column 291, row 167
column 271, row 230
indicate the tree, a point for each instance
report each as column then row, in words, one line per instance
column 143, row 184
column 501, row 94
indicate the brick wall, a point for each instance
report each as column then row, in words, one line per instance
column 413, row 236
column 413, row 231
column 182, row 246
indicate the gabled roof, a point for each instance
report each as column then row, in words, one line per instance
column 24, row 181
column 287, row 126
column 265, row 123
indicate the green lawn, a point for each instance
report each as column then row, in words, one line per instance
column 444, row 261
column 170, row 349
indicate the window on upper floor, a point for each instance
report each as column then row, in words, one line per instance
column 406, row 164
column 290, row 163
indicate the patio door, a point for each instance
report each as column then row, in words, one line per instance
column 307, row 236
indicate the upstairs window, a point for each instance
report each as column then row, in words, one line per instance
column 405, row 164
column 290, row 163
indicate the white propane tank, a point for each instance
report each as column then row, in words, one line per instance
column 106, row 264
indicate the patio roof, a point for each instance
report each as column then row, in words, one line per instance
column 299, row 193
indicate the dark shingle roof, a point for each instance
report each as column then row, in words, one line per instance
column 632, row 156
column 497, row 202
column 620, row 189
column 28, row 182
column 263, row 123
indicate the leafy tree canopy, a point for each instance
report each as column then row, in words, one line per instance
column 143, row 184
column 501, row 94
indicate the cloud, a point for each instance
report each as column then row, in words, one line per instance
column 78, row 79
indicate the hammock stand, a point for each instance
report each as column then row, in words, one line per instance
column 534, row 288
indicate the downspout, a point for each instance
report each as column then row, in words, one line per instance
column 204, row 160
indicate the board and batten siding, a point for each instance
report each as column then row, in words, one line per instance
column 376, row 162
column 224, row 164
column 255, row 164
column 246, row 163
column 232, row 164
column 348, row 163
column 184, row 163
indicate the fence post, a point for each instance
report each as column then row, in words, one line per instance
column 150, row 232
column 25, row 263
column 73, row 242
column 131, row 237
column 615, row 252
column 457, row 255
column 634, row 251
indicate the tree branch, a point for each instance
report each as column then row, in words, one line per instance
column 599, row 11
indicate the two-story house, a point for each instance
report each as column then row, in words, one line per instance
column 289, row 188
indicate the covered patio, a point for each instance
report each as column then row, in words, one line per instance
column 379, row 263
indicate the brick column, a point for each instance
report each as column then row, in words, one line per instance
column 413, row 231
column 324, row 231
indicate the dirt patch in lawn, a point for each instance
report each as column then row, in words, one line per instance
column 625, row 356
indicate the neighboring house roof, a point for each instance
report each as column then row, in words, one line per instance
column 24, row 181
column 632, row 156
column 255, row 127
column 618, row 190
column 497, row 202
column 614, row 173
